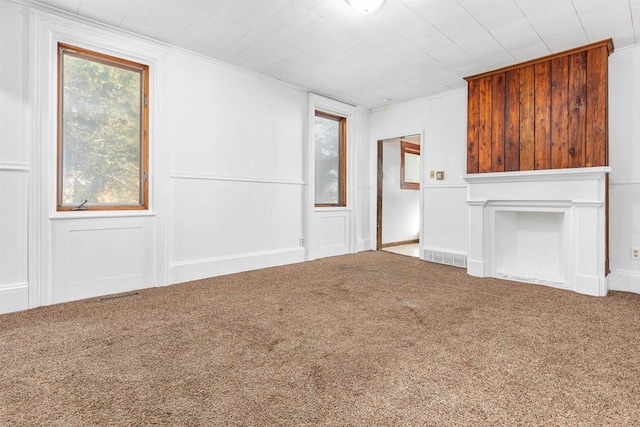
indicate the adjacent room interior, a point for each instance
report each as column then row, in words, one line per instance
column 319, row 212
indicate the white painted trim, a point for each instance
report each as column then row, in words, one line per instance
column 46, row 30
column 570, row 174
column 624, row 181
column 14, row 297
column 624, row 280
column 14, row 167
column 328, row 105
column 184, row 271
column 419, row 100
column 444, row 185
column 14, row 287
column 259, row 180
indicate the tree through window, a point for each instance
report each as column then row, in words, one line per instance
column 102, row 131
column 330, row 159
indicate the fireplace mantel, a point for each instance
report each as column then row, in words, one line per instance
column 544, row 226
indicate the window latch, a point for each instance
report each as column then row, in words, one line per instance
column 81, row 207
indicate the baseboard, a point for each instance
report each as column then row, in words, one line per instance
column 400, row 243
column 364, row 245
column 14, row 297
column 624, row 280
column 210, row 267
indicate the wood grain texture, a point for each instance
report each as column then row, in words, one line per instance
column 596, row 120
column 527, row 118
column 485, row 126
column 577, row 109
column 543, row 115
column 497, row 122
column 559, row 112
column 512, row 118
column 473, row 117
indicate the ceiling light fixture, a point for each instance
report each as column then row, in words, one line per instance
column 365, row 6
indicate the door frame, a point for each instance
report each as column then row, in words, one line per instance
column 379, row 177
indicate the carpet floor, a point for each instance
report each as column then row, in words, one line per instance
column 368, row 339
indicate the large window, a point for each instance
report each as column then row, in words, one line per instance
column 330, row 159
column 103, row 150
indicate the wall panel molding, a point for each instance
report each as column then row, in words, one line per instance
column 254, row 179
column 14, row 167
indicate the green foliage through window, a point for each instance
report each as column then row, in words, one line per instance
column 101, row 147
column 329, row 160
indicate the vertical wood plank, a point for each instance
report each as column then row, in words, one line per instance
column 527, row 118
column 543, row 115
column 559, row 112
column 512, row 121
column 473, row 118
column 596, row 113
column 497, row 122
column 485, row 125
column 577, row 109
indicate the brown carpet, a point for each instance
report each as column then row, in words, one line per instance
column 367, row 339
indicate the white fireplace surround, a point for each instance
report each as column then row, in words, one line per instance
column 543, row 226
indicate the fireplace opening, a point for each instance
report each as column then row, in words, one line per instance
column 530, row 246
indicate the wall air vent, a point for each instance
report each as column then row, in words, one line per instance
column 448, row 258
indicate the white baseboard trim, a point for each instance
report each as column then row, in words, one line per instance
column 364, row 245
column 186, row 271
column 624, row 280
column 14, row 297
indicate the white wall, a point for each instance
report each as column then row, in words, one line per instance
column 400, row 207
column 624, row 152
column 229, row 156
column 441, row 121
column 14, row 156
column 236, row 176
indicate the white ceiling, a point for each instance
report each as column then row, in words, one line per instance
column 407, row 49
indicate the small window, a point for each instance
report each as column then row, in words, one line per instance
column 330, row 160
column 409, row 166
column 103, row 150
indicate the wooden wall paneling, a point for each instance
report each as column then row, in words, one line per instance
column 485, row 125
column 577, row 109
column 512, row 118
column 543, row 115
column 596, row 114
column 497, row 122
column 473, row 114
column 559, row 112
column 527, row 118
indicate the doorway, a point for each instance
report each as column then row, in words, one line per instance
column 398, row 195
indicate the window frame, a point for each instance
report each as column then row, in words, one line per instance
column 342, row 160
column 410, row 148
column 143, row 69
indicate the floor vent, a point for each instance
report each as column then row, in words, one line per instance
column 442, row 257
column 112, row 297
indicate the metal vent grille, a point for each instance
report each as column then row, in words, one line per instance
column 443, row 257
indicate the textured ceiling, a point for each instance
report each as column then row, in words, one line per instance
column 406, row 49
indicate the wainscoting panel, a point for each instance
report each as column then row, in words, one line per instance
column 14, row 288
column 332, row 233
column 101, row 256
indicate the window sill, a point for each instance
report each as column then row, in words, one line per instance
column 99, row 214
column 331, row 208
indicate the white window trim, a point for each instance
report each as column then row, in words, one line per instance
column 48, row 31
column 327, row 105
